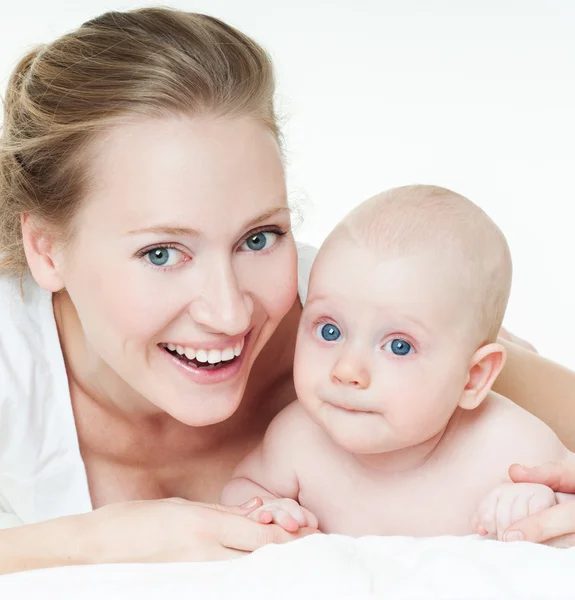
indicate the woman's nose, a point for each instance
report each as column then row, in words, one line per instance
column 222, row 306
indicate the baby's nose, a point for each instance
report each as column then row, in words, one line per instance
column 350, row 373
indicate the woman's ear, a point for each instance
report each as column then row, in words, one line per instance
column 40, row 249
column 485, row 366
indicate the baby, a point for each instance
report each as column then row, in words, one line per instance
column 395, row 430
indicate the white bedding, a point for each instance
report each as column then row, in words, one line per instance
column 326, row 567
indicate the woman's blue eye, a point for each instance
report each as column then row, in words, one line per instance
column 162, row 257
column 329, row 332
column 399, row 347
column 260, row 241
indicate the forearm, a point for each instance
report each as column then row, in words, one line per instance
column 48, row 544
column 542, row 387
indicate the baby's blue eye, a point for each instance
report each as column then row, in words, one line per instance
column 162, row 257
column 329, row 332
column 260, row 241
column 399, row 347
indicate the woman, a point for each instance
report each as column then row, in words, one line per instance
column 149, row 292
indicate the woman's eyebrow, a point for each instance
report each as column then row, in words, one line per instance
column 189, row 232
column 168, row 230
column 266, row 215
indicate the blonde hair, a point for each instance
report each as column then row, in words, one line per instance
column 422, row 217
column 143, row 63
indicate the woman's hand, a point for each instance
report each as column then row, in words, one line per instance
column 556, row 525
column 178, row 530
column 173, row 530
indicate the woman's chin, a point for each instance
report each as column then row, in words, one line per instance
column 202, row 411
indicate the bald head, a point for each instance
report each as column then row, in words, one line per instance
column 430, row 219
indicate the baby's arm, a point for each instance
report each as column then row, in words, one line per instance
column 271, row 472
column 518, row 437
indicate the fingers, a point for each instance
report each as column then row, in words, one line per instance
column 476, row 525
column 241, row 533
column 559, row 475
column 484, row 521
column 509, row 503
column 546, row 525
column 285, row 520
column 290, row 517
column 503, row 512
column 518, row 510
column 244, row 509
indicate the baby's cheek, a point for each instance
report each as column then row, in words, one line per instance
column 307, row 369
column 410, row 412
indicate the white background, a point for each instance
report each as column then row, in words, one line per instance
column 476, row 95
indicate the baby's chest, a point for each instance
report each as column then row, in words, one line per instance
column 356, row 505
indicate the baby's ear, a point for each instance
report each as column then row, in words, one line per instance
column 485, row 366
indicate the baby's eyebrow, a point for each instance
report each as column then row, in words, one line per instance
column 407, row 321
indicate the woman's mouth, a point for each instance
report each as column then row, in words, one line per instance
column 205, row 359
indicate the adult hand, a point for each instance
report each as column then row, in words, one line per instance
column 554, row 526
column 174, row 530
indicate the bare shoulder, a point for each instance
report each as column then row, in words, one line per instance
column 505, row 433
column 291, row 428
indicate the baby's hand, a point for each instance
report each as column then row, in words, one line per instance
column 509, row 503
column 286, row 513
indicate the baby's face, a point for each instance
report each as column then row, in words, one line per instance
column 383, row 347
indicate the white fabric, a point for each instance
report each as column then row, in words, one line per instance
column 327, row 567
column 42, row 474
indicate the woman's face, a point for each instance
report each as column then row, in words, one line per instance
column 183, row 263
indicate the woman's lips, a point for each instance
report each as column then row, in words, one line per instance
column 207, row 373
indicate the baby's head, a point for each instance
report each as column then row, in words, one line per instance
column 406, row 298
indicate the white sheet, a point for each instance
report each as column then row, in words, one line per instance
column 326, row 567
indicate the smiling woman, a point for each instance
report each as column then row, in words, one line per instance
column 147, row 260
column 175, row 272
column 150, row 292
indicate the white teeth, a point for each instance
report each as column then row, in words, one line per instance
column 214, row 356
column 238, row 347
column 228, row 354
column 201, row 356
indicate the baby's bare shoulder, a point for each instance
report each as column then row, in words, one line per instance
column 504, row 433
column 292, row 427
